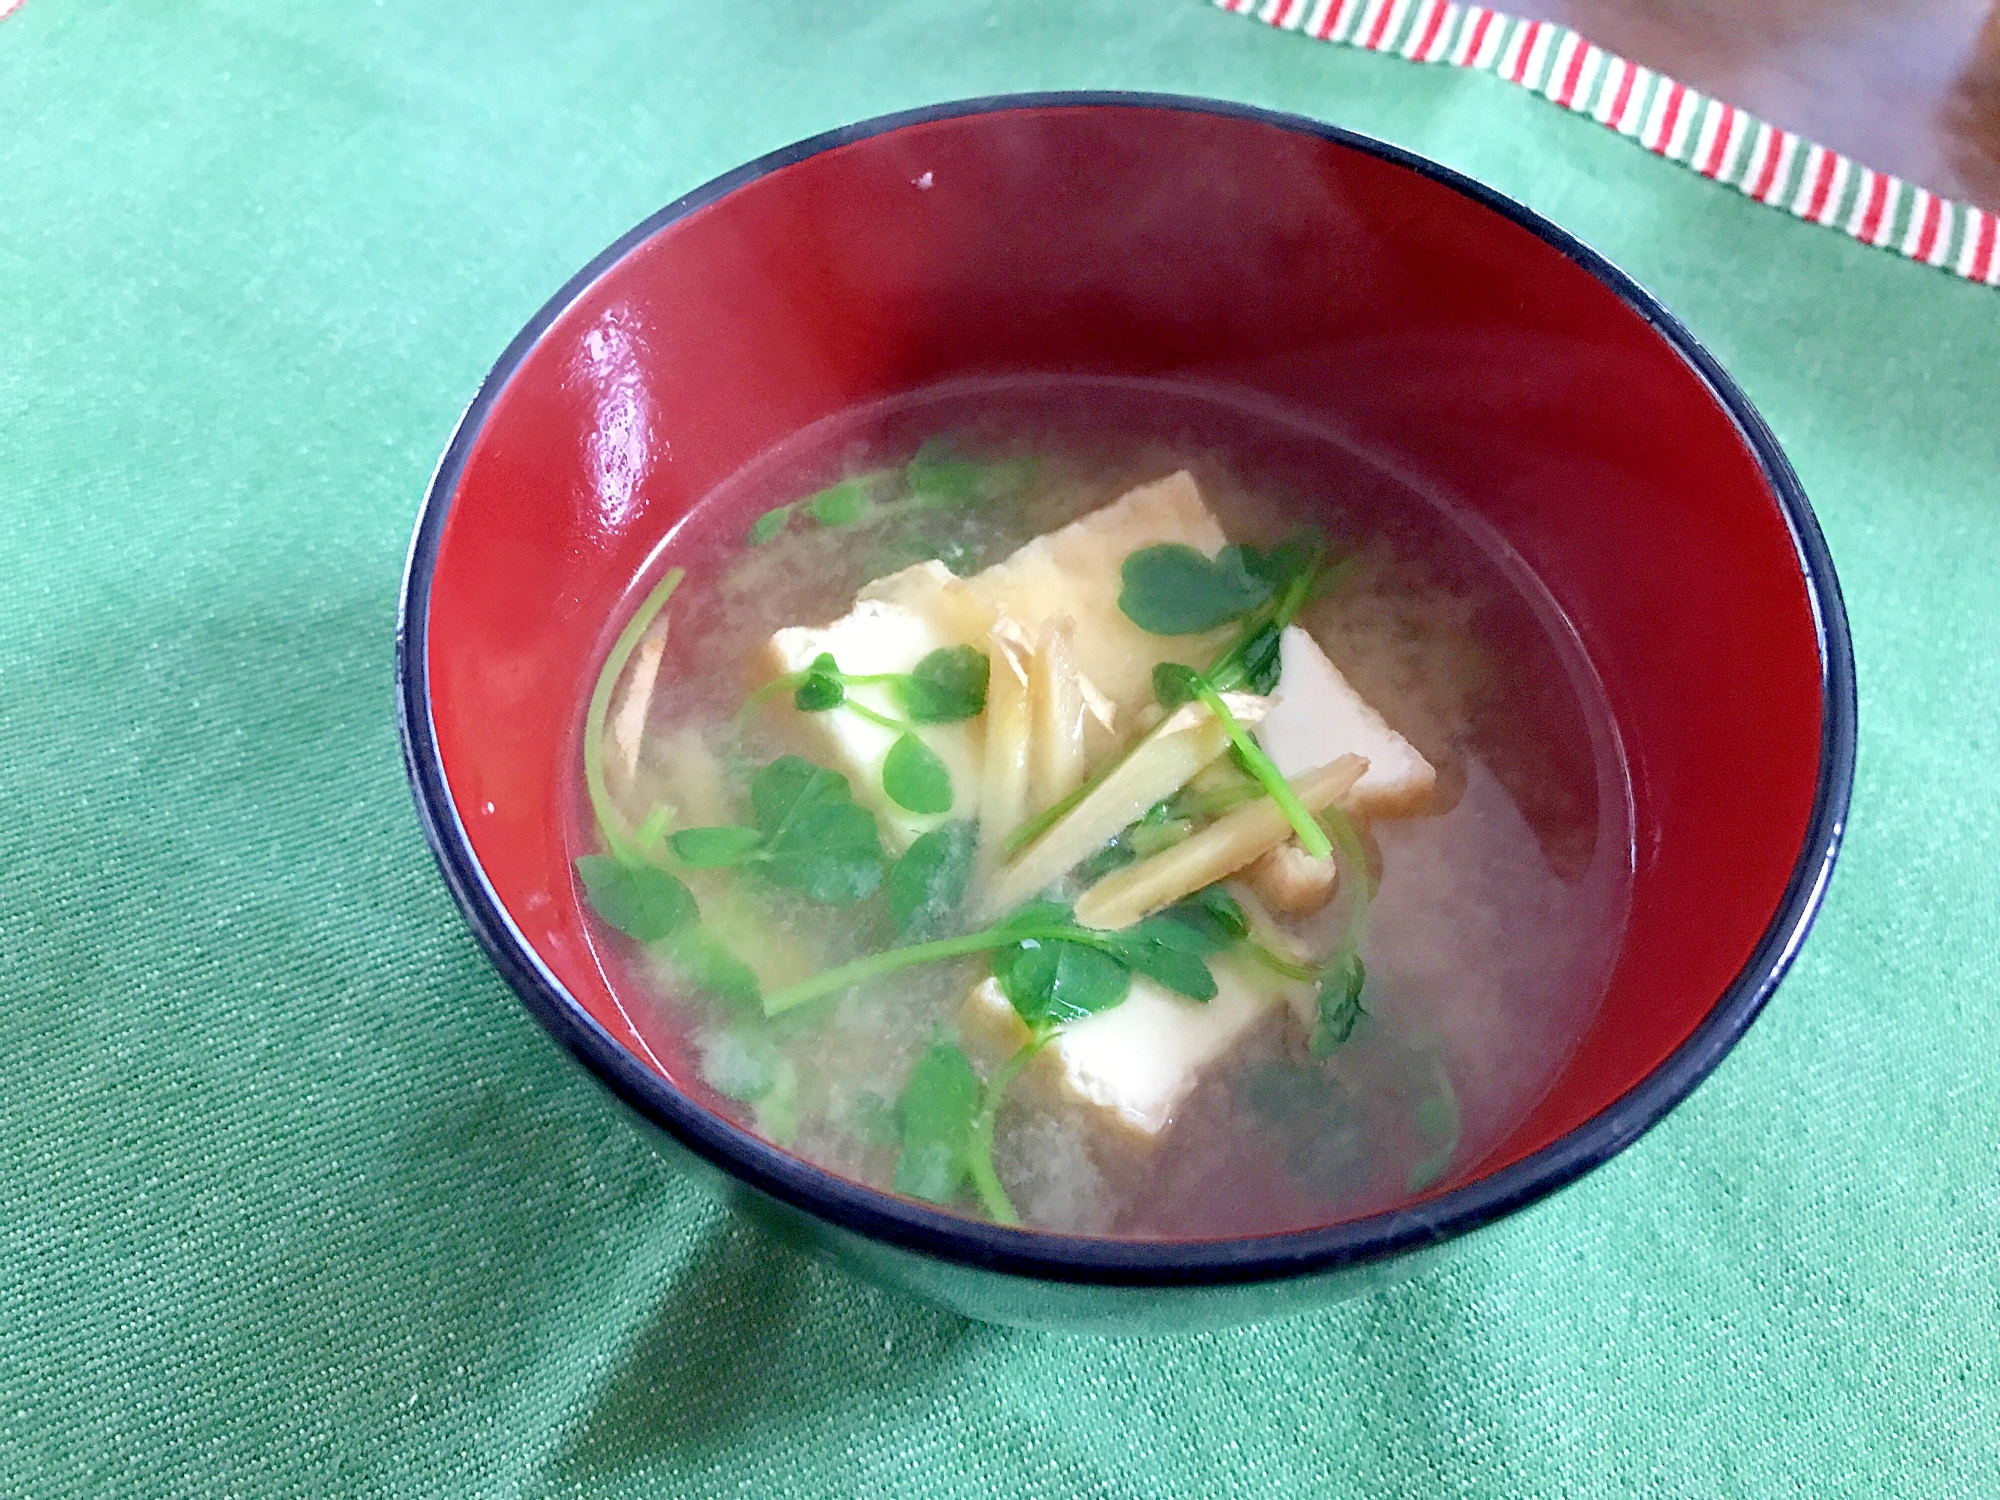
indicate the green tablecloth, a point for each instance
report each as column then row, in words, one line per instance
column 296, row 1200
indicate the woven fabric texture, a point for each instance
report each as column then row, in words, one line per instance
column 295, row 1200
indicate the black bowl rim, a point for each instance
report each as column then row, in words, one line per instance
column 928, row 1232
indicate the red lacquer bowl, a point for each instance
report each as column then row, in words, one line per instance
column 1467, row 344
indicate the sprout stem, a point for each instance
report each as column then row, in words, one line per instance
column 610, row 823
column 979, row 1163
column 1311, row 836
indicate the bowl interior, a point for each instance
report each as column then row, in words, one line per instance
column 1458, row 348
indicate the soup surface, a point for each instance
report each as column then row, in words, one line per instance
column 1003, row 889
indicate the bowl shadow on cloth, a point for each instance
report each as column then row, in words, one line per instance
column 757, row 1344
column 755, row 1338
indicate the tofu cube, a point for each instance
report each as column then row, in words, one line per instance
column 1127, row 1069
column 1318, row 716
column 1074, row 571
column 871, row 638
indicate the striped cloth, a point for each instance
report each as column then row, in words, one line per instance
column 1718, row 140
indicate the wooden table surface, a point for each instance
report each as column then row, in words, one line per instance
column 1904, row 86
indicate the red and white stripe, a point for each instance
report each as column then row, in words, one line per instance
column 1669, row 122
column 1979, row 259
column 1821, row 185
column 1369, row 18
column 1522, row 40
column 1542, row 57
column 1430, row 31
column 1338, row 20
column 1575, row 69
column 1377, row 31
column 1929, row 233
column 1716, row 139
column 1874, row 212
column 1479, row 42
column 1770, row 163
column 1539, row 43
column 1724, row 128
column 1614, row 81
column 1364, row 19
column 1622, row 97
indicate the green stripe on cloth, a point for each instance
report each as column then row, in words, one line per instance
column 296, row 1201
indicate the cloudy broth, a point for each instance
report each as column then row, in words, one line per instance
column 1488, row 939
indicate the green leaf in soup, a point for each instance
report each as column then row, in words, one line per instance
column 770, row 525
column 715, row 848
column 1175, row 683
column 1438, row 1122
column 874, row 1121
column 1114, row 855
column 752, row 1071
column 915, row 778
column 1182, row 972
column 1032, row 916
column 1297, row 554
column 835, row 859
column 1340, row 1007
column 822, row 688
column 946, row 686
column 652, row 829
column 1206, row 922
column 1437, row 1117
column 640, row 901
column 791, row 788
column 1169, row 946
column 840, row 504
column 1324, row 1137
column 777, row 1113
column 938, row 476
column 961, row 557
column 816, row 841
column 1146, row 837
column 938, row 1108
column 929, row 881
column 1219, row 908
column 1171, row 589
column 706, row 962
column 817, row 694
column 1261, row 661
column 1050, row 980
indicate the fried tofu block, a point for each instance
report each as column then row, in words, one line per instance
column 871, row 638
column 1317, row 715
column 1292, row 882
column 1127, row 1069
column 1074, row 572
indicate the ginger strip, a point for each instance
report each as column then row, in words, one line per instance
column 628, row 725
column 1224, row 847
column 1057, row 760
column 1157, row 768
column 1003, row 786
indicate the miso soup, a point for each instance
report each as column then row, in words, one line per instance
column 1102, row 806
